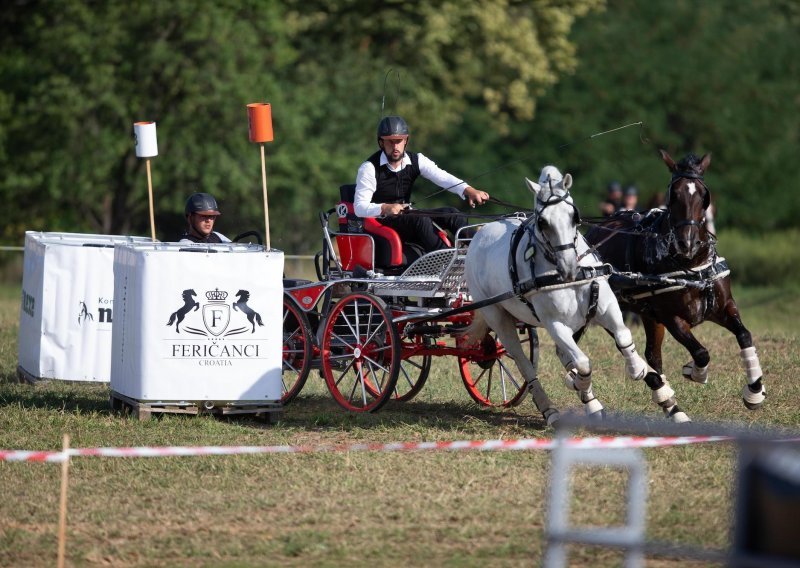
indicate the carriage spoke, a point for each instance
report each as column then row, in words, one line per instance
column 349, row 325
column 288, row 366
column 406, row 377
column 413, row 378
column 357, row 369
column 360, row 382
column 510, row 374
column 378, row 383
column 503, row 374
column 293, row 334
column 489, row 385
column 375, row 363
column 344, row 372
column 374, row 333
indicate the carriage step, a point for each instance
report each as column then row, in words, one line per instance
column 267, row 412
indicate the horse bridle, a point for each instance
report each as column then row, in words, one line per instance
column 706, row 197
column 548, row 248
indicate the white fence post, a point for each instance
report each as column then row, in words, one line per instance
column 631, row 536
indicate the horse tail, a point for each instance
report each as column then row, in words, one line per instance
column 258, row 319
column 475, row 331
column 172, row 318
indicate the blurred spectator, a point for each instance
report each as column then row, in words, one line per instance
column 630, row 199
column 710, row 218
column 613, row 199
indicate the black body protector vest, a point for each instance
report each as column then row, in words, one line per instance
column 393, row 187
column 213, row 238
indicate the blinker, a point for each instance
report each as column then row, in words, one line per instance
column 530, row 252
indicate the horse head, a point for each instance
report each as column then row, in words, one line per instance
column 688, row 198
column 556, row 220
column 243, row 295
column 187, row 295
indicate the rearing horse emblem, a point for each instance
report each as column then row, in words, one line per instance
column 188, row 303
column 252, row 316
column 84, row 314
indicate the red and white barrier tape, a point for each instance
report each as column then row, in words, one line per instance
column 478, row 445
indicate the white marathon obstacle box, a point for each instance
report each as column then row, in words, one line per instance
column 196, row 323
column 67, row 306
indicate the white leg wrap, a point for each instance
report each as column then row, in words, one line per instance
column 634, row 365
column 753, row 399
column 676, row 415
column 694, row 373
column 593, row 406
column 569, row 379
column 751, row 365
column 551, row 416
column 575, row 381
column 663, row 394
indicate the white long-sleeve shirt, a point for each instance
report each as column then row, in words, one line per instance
column 366, row 182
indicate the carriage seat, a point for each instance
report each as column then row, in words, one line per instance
column 390, row 254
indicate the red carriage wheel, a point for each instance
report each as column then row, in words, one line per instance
column 360, row 352
column 297, row 350
column 492, row 379
column 413, row 374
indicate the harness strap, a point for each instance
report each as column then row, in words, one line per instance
column 516, row 237
column 527, row 302
column 468, row 307
column 584, row 273
column 594, row 295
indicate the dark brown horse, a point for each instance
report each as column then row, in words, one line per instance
column 683, row 282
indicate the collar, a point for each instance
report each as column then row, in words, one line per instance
column 406, row 161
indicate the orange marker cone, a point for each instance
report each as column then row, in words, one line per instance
column 260, row 119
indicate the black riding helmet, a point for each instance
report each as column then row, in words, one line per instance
column 201, row 203
column 392, row 126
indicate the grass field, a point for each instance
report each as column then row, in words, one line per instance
column 377, row 509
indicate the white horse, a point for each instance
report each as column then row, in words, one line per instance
column 555, row 288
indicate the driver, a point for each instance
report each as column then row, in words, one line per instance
column 201, row 213
column 384, row 182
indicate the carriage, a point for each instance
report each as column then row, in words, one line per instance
column 381, row 311
column 378, row 314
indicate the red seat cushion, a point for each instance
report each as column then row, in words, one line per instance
column 349, row 223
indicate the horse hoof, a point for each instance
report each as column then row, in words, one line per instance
column 695, row 374
column 753, row 400
column 594, row 408
column 551, row 416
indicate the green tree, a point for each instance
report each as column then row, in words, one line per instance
column 717, row 77
column 74, row 76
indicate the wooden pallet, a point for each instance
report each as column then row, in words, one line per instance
column 268, row 412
